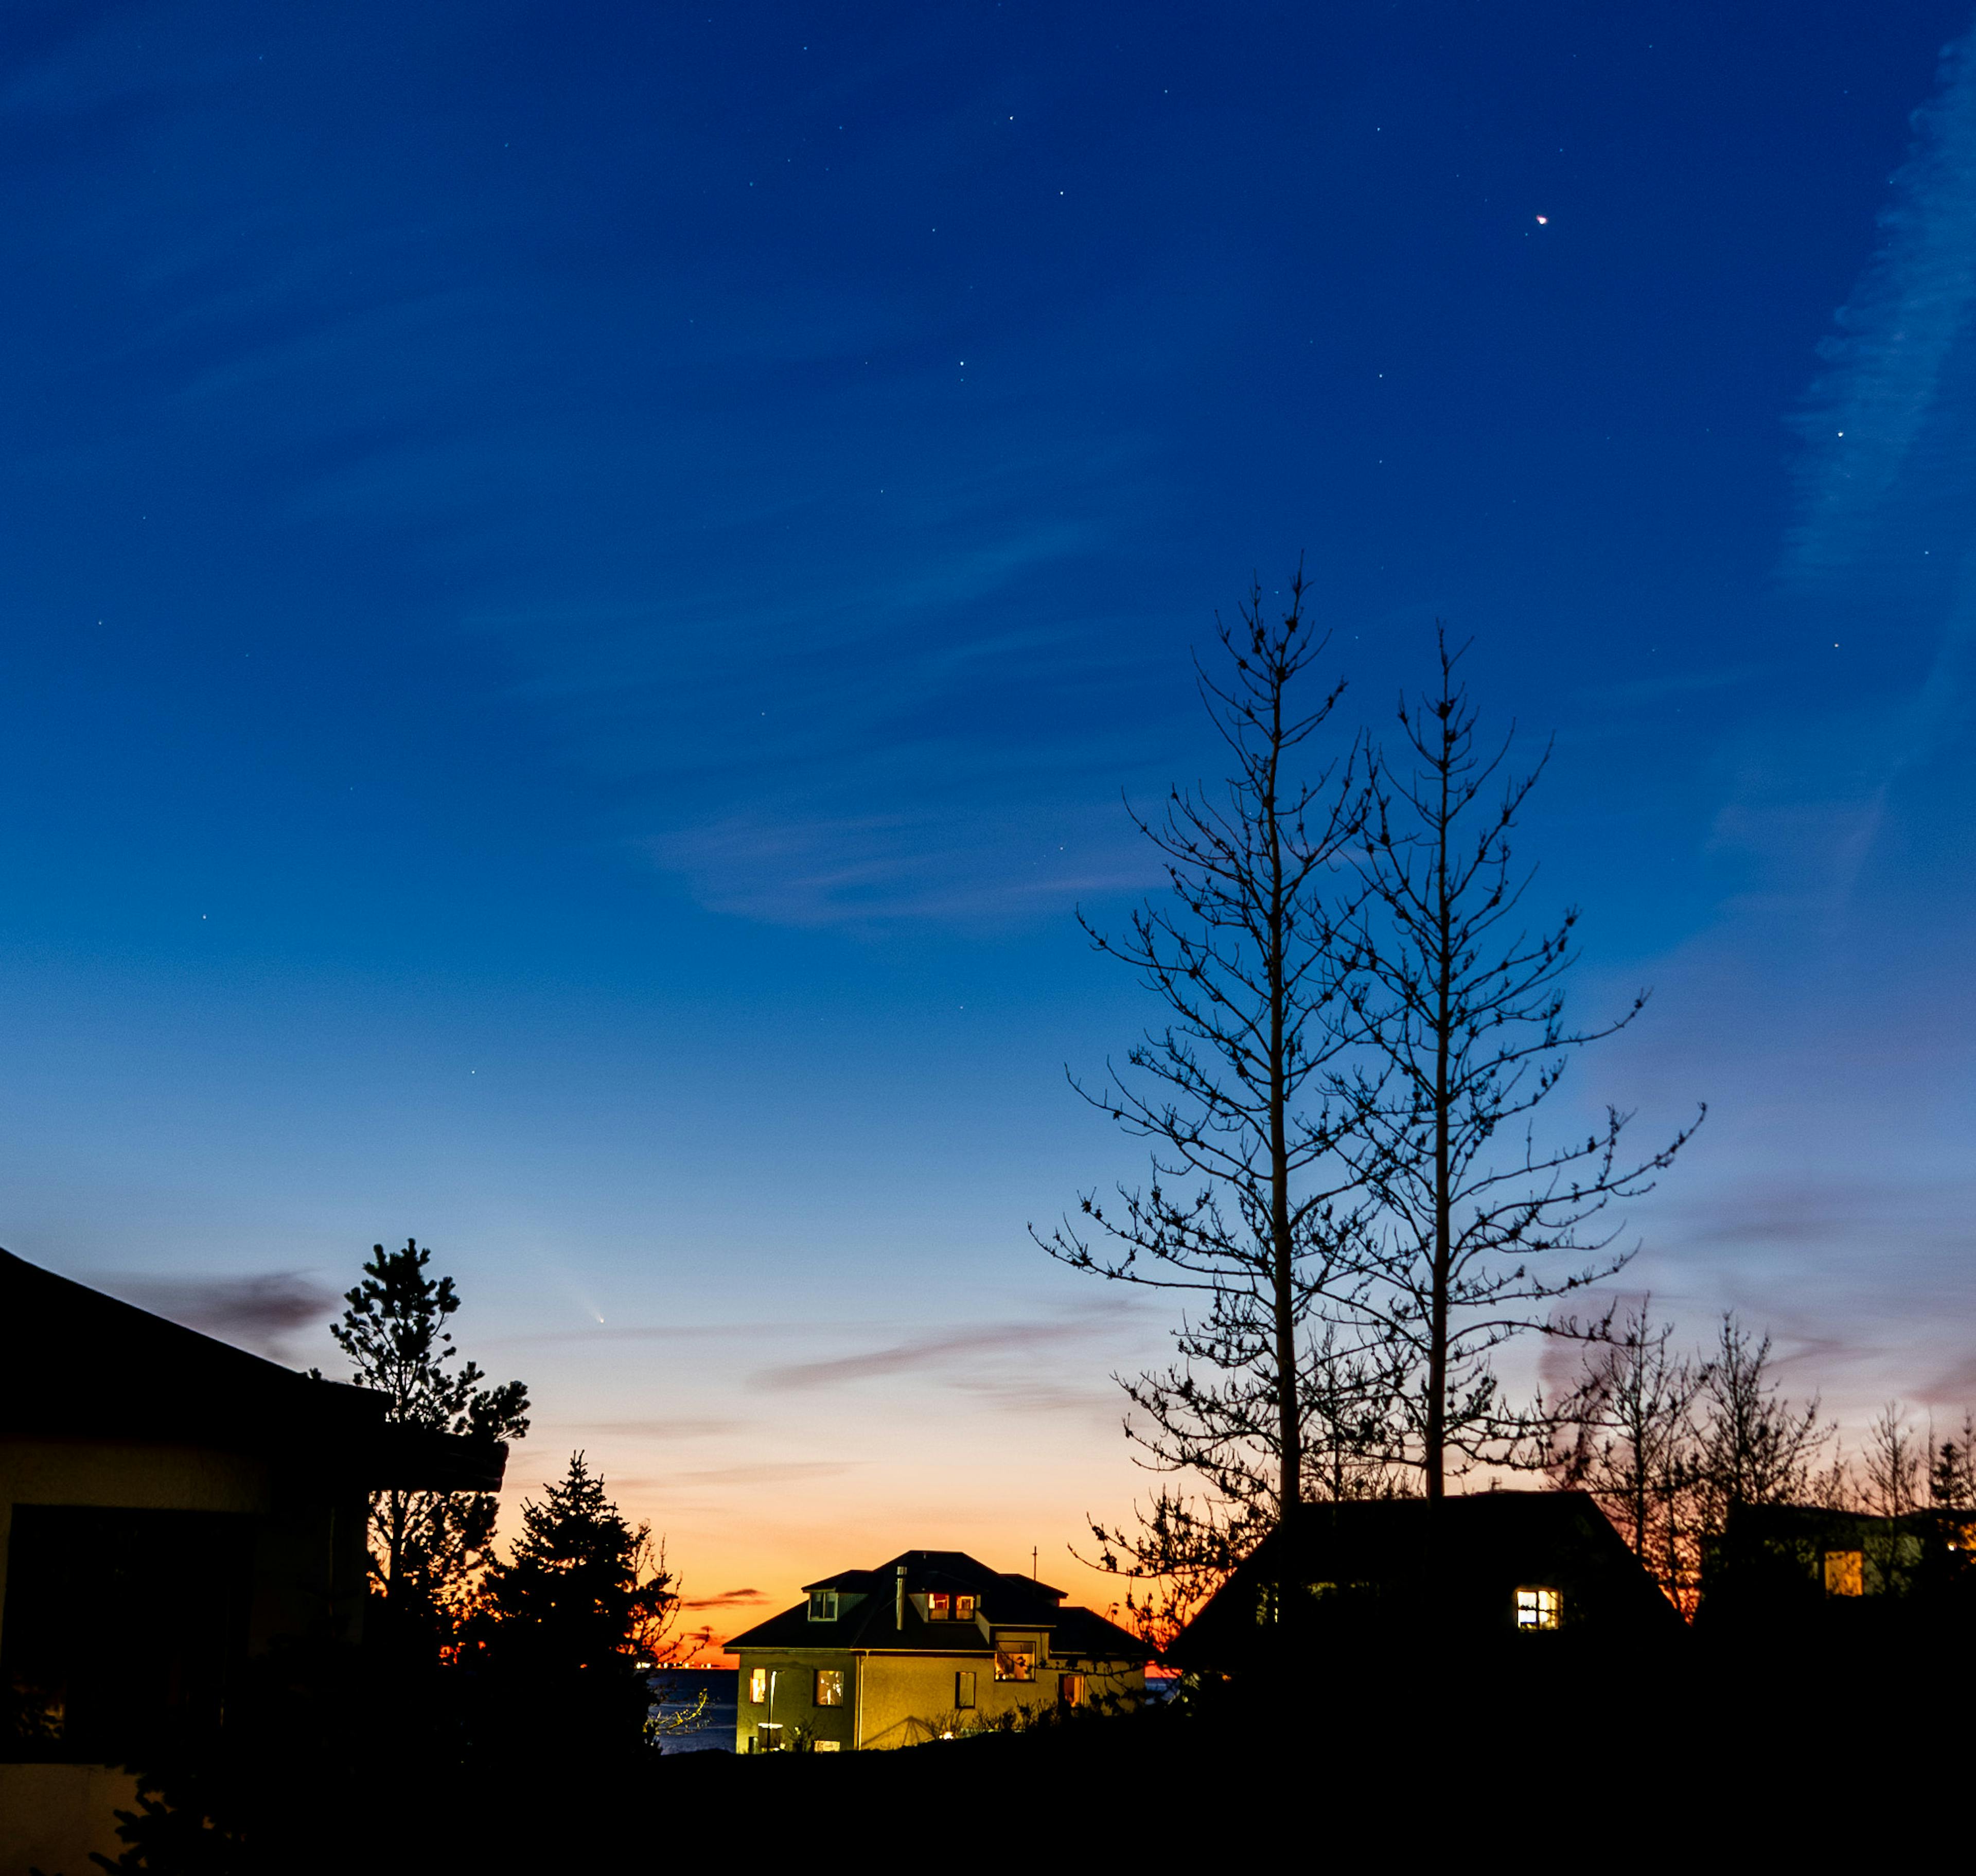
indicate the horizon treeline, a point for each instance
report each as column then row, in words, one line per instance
column 1668, row 1445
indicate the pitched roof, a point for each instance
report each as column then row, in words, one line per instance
column 1006, row 1599
column 75, row 1363
column 1457, row 1562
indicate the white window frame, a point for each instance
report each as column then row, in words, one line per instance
column 1539, row 1608
column 823, row 1605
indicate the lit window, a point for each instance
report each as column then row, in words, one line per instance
column 830, row 1687
column 823, row 1605
column 826, row 1745
column 1845, row 1573
column 1070, row 1690
column 938, row 1604
column 1538, row 1608
column 1013, row 1663
column 964, row 1608
column 963, row 1689
column 758, row 1685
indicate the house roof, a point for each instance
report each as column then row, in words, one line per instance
column 1006, row 1599
column 75, row 1363
column 1457, row 1562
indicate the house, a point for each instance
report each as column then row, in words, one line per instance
column 1815, row 1572
column 930, row 1643
column 1526, row 1568
column 170, row 1507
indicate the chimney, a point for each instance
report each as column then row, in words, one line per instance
column 899, row 1600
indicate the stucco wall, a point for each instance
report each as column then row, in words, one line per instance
column 51, row 1817
column 136, row 1478
column 898, row 1699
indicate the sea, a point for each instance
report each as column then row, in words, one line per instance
column 675, row 1693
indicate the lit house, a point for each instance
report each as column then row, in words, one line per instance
column 1531, row 1569
column 932, row 1643
column 170, row 1508
column 1816, row 1574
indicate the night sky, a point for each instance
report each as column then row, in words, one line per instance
column 580, row 585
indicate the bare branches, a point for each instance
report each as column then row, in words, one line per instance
column 1481, row 1225
column 1250, row 1201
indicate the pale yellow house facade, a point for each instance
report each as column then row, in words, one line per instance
column 932, row 1644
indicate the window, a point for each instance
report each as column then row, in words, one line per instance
column 758, row 1685
column 767, row 1738
column 124, row 1630
column 939, row 1606
column 1016, row 1661
column 1538, row 1608
column 1070, row 1690
column 830, row 1687
column 823, row 1605
column 1845, row 1573
column 826, row 1745
column 964, row 1608
column 964, row 1689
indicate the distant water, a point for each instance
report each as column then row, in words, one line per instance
column 675, row 1692
column 676, row 1689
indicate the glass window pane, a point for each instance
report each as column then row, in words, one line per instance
column 830, row 1687
column 963, row 1689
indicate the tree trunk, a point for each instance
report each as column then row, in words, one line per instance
column 1290, row 1489
column 1436, row 1441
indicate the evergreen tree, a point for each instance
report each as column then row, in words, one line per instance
column 570, row 1627
column 424, row 1546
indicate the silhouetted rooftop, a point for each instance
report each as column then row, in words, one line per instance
column 75, row 1363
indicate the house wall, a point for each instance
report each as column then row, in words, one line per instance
column 52, row 1817
column 895, row 1700
column 308, row 1570
column 136, row 1478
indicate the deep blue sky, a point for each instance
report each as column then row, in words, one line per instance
column 579, row 585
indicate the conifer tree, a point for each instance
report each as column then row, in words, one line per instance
column 571, row 1624
column 424, row 1546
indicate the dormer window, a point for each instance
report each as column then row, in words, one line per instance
column 939, row 1606
column 823, row 1605
column 964, row 1608
column 1538, row 1608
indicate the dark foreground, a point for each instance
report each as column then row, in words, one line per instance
column 1736, row 1750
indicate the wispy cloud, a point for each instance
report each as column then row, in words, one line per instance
column 727, row 1599
column 1868, row 415
column 955, row 1354
column 771, row 1472
column 703, row 1427
column 258, row 1312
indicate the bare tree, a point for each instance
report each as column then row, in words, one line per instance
column 1250, row 1205
column 1483, row 1228
column 1894, row 1460
column 1757, row 1447
column 1631, row 1443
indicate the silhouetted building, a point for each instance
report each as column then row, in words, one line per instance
column 932, row 1643
column 170, row 1507
column 1525, row 1568
column 1812, row 1574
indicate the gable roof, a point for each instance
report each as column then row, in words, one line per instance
column 1373, row 1561
column 75, row 1363
column 866, row 1617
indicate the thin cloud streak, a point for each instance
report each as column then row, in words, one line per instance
column 1866, row 416
column 916, row 1356
column 258, row 1312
